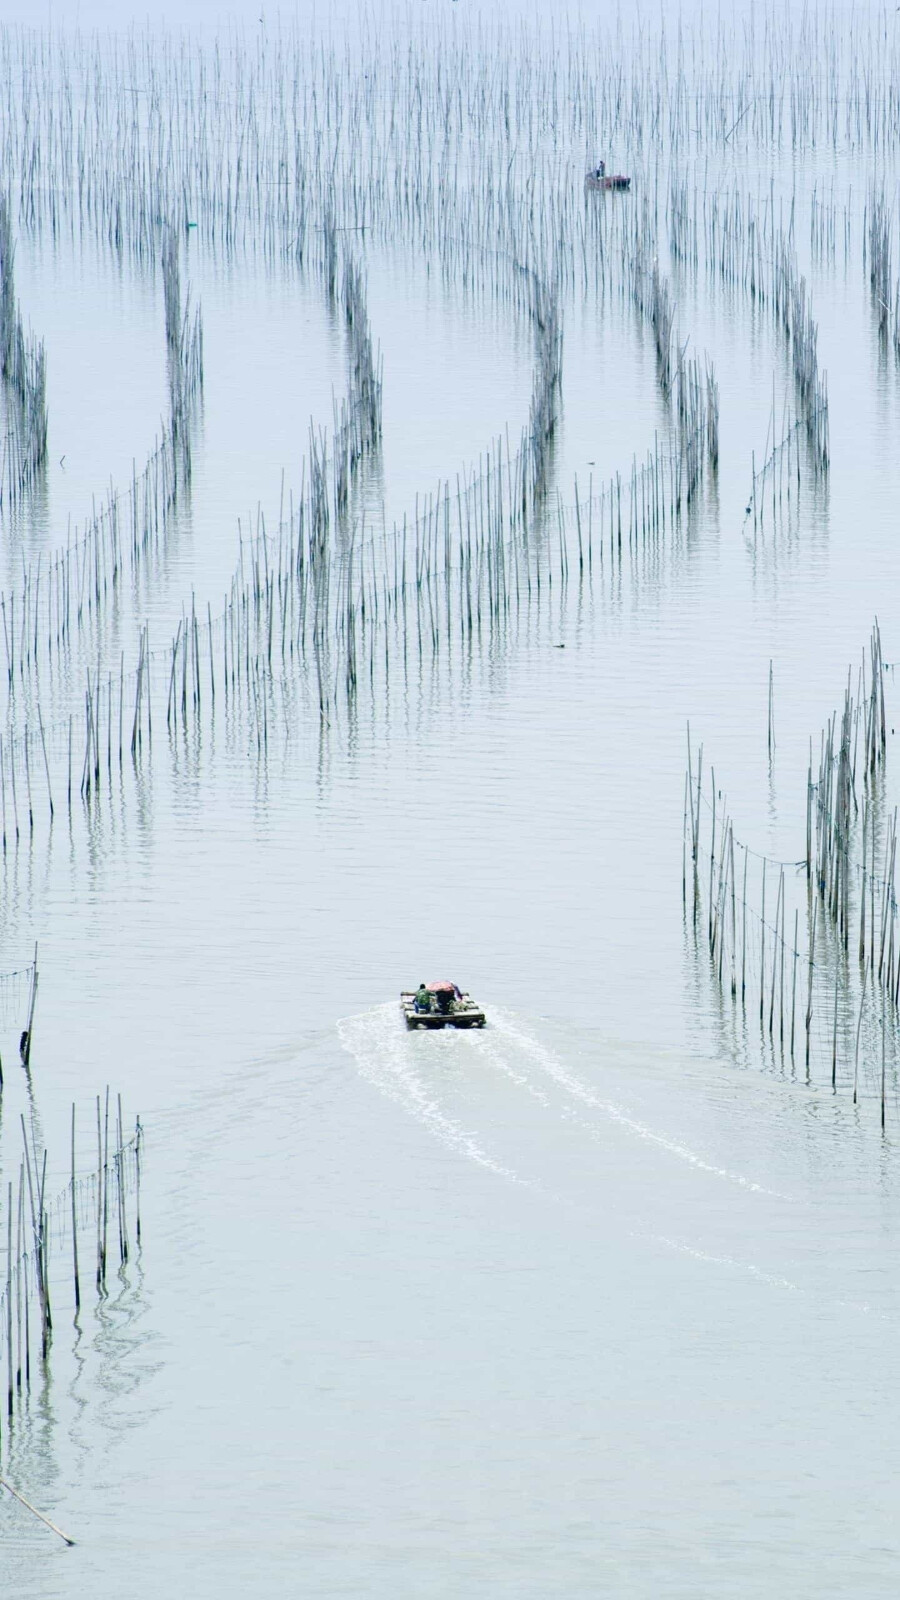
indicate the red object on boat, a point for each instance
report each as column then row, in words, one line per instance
column 441, row 986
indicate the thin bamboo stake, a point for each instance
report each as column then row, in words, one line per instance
column 9, row 1303
column 862, row 1001
column 834, row 1036
column 883, row 1061
column 34, row 1511
column 75, row 1222
column 796, row 957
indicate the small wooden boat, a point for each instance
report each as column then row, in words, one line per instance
column 447, row 1007
column 599, row 179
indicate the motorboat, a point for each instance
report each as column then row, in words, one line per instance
column 442, row 1005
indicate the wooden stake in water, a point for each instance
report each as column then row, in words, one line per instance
column 20, row 1262
column 9, row 1304
column 812, row 945
column 834, row 1037
column 138, row 1136
column 883, row 1061
column 105, row 1195
column 101, row 1264
column 744, row 931
column 34, row 1511
column 120, row 1179
column 794, row 979
column 75, row 1221
column 762, row 949
column 771, row 711
column 862, row 1001
column 25, row 1047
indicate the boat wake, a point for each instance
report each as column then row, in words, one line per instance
column 773, row 1279
column 421, row 1072
column 394, row 1061
column 389, row 1057
column 508, row 1031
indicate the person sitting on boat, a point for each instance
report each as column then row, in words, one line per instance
column 422, row 999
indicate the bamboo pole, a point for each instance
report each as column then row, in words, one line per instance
column 9, row 1302
column 883, row 1061
column 862, row 1001
column 834, row 1036
column 809, row 1004
column 25, row 1043
column 75, row 1222
column 34, row 1511
column 794, row 961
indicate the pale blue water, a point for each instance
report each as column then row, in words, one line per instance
column 593, row 1300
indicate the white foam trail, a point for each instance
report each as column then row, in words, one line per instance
column 726, row 1261
column 553, row 1067
column 386, row 1056
column 863, row 1307
column 486, row 1046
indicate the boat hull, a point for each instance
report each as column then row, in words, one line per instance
column 463, row 1015
column 616, row 181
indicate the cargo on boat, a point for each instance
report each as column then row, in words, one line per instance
column 440, row 1005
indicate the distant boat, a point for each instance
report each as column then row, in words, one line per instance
column 440, row 1005
column 598, row 178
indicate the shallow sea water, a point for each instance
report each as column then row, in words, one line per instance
column 592, row 1301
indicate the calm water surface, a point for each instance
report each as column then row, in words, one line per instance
column 588, row 1302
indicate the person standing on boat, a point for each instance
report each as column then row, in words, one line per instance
column 422, row 999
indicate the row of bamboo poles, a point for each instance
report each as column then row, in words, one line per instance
column 75, row 592
column 23, row 371
column 358, row 420
column 64, row 601
column 323, row 598
column 776, row 486
column 854, row 745
column 791, row 309
column 247, row 141
column 878, row 240
column 466, row 208
column 748, row 248
column 95, row 1219
column 326, row 609
column 184, row 340
column 691, row 387
column 789, row 964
